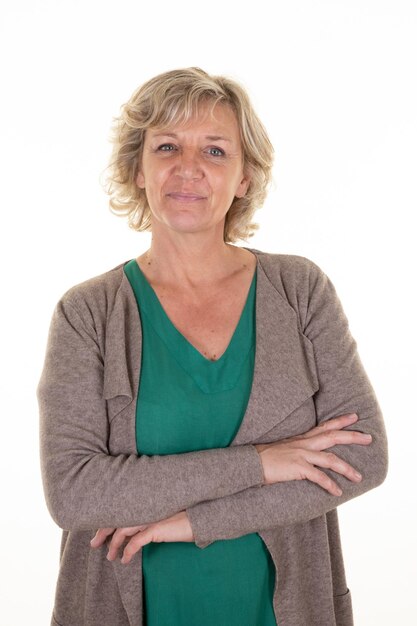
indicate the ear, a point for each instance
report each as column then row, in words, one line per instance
column 140, row 180
column 243, row 186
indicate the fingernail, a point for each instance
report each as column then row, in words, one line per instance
column 358, row 476
column 339, row 492
column 368, row 437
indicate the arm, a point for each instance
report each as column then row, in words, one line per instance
column 86, row 487
column 343, row 388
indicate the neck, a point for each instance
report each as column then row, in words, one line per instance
column 190, row 262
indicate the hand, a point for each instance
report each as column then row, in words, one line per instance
column 298, row 458
column 174, row 528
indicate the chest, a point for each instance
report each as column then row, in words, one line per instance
column 207, row 321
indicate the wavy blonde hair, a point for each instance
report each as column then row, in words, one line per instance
column 174, row 97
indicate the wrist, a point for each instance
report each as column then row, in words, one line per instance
column 261, row 453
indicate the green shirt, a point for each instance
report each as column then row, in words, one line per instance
column 186, row 403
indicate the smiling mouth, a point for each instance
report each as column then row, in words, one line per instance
column 184, row 197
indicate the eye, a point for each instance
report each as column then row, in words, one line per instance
column 216, row 151
column 166, row 147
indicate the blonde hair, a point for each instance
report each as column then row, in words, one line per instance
column 174, row 97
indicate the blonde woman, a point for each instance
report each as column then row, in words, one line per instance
column 203, row 407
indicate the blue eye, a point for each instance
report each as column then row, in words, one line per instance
column 164, row 146
column 219, row 151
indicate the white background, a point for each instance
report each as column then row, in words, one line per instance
column 335, row 85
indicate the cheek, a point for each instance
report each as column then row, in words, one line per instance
column 156, row 181
column 222, row 182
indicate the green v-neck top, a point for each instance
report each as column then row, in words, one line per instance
column 187, row 403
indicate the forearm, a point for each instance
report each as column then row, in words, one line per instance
column 97, row 490
column 285, row 503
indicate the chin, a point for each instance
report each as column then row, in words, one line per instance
column 187, row 223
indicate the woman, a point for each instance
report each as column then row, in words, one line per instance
column 203, row 407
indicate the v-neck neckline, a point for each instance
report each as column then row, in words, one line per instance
column 154, row 310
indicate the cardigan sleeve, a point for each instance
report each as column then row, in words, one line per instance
column 343, row 388
column 85, row 486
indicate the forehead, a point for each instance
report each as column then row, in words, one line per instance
column 219, row 119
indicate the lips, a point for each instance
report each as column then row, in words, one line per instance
column 185, row 197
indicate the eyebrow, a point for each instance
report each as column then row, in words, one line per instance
column 209, row 137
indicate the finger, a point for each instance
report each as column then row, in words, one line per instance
column 331, row 461
column 119, row 537
column 135, row 544
column 115, row 543
column 333, row 438
column 335, row 423
column 323, row 480
column 338, row 422
column 101, row 536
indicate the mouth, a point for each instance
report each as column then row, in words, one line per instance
column 185, row 197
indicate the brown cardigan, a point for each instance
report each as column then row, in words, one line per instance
column 307, row 370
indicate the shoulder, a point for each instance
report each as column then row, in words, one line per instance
column 300, row 282
column 290, row 269
column 102, row 288
column 94, row 299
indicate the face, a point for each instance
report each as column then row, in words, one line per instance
column 191, row 173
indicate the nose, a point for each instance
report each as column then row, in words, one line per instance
column 188, row 165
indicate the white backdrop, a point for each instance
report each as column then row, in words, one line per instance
column 335, row 85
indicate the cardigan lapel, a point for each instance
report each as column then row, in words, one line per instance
column 284, row 373
column 122, row 359
column 122, row 364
